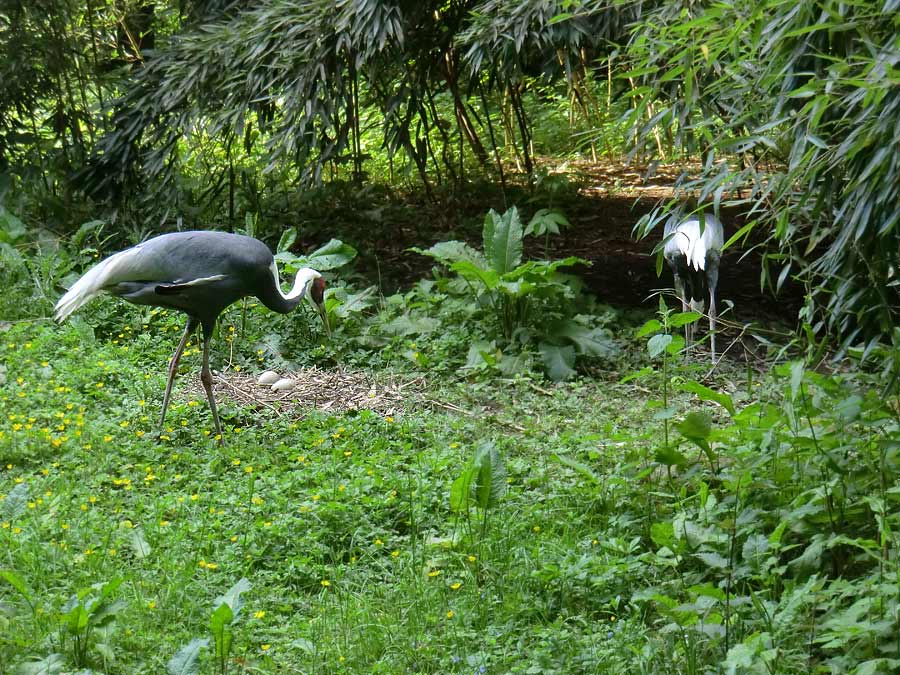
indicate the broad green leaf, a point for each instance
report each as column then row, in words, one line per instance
column 559, row 361
column 139, row 545
column 811, row 559
column 683, row 318
column 707, row 591
column 460, row 491
column 52, row 664
column 449, row 252
column 546, row 221
column 330, row 256
column 588, row 341
column 219, row 621
column 695, row 427
column 740, row 658
column 669, row 456
column 288, row 237
column 707, row 394
column 342, row 304
column 475, row 358
column 849, row 408
column 74, row 615
column 663, row 534
column 712, row 559
column 517, row 289
column 108, row 588
column 406, row 325
column 18, row 583
column 778, row 533
column 579, row 467
column 665, row 413
column 878, row 666
column 490, row 478
column 657, row 344
column 675, row 346
column 487, row 235
column 232, row 597
column 651, row 326
column 488, row 277
column 12, row 230
column 14, row 504
column 515, row 364
column 90, row 227
column 755, row 547
column 505, row 251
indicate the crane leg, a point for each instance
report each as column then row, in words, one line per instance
column 173, row 367
column 712, row 278
column 207, row 380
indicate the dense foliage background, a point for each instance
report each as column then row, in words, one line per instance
column 156, row 115
column 562, row 487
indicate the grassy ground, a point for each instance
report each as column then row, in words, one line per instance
column 609, row 550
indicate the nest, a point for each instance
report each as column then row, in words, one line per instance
column 331, row 391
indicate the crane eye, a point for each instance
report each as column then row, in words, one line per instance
column 317, row 292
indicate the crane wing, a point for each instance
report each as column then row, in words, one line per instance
column 116, row 268
column 176, row 287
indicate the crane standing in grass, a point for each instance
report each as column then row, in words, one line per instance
column 200, row 274
column 692, row 248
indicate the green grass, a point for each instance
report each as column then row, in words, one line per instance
column 604, row 555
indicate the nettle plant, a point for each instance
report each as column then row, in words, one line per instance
column 530, row 301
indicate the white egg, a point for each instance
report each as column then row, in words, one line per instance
column 268, row 377
column 284, row 384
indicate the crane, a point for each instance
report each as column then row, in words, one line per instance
column 692, row 248
column 199, row 273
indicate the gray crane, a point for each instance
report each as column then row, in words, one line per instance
column 693, row 247
column 200, row 274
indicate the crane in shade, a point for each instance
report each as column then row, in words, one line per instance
column 200, row 274
column 692, row 247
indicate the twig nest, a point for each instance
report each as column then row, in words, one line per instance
column 284, row 384
column 333, row 391
column 268, row 377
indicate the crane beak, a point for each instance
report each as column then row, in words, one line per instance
column 324, row 316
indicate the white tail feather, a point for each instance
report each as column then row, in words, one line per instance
column 107, row 272
column 686, row 239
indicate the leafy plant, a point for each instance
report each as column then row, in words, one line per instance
column 89, row 611
column 515, row 291
column 498, row 274
column 226, row 608
column 664, row 345
column 327, row 257
column 544, row 223
column 225, row 613
column 482, row 484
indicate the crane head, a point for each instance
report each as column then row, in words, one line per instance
column 317, row 295
column 317, row 291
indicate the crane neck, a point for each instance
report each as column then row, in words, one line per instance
column 279, row 301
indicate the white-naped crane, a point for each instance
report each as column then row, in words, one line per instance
column 693, row 247
column 199, row 273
